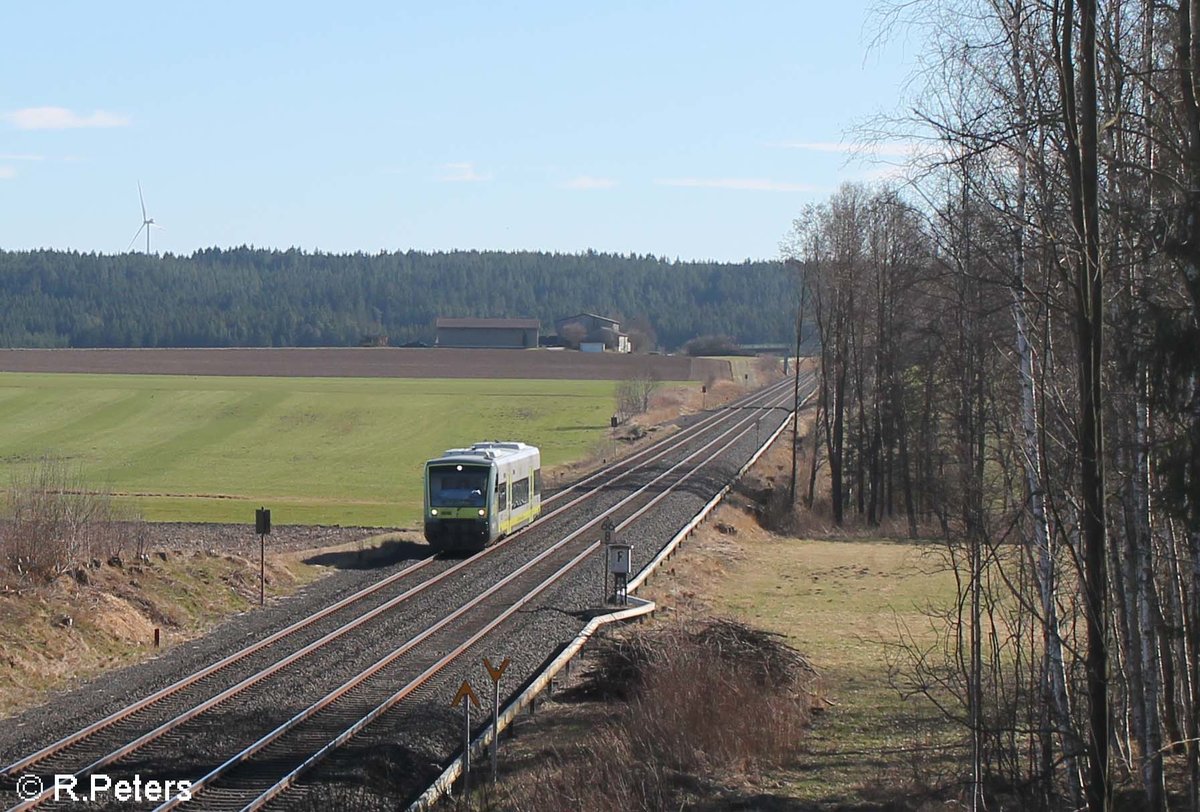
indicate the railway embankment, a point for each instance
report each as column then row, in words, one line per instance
column 103, row 615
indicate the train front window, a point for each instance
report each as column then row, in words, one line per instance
column 458, row 486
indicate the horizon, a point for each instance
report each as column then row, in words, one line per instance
column 629, row 255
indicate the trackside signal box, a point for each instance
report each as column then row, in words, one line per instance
column 619, row 558
column 619, row 564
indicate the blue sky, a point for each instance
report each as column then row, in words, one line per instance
column 695, row 130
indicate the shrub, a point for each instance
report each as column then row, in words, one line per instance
column 53, row 521
column 633, row 395
column 711, row 345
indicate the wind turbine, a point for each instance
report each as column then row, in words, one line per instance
column 147, row 222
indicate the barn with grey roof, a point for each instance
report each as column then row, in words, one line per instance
column 475, row 333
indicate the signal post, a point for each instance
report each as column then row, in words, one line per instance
column 262, row 526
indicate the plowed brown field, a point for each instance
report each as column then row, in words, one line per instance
column 373, row 362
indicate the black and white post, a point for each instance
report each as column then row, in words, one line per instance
column 609, row 528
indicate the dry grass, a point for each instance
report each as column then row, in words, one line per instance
column 79, row 594
column 846, row 600
column 706, row 704
column 845, row 603
column 96, row 618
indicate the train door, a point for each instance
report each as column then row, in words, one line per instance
column 502, row 502
column 493, row 515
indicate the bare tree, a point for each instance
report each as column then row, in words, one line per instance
column 634, row 394
column 573, row 334
column 965, row 359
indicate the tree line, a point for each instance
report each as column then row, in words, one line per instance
column 271, row 298
column 1011, row 360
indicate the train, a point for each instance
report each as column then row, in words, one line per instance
column 476, row 495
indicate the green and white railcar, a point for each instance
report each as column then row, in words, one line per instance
column 476, row 495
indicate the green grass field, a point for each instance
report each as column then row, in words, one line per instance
column 315, row 450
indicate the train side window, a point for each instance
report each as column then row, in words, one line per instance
column 520, row 493
column 501, row 495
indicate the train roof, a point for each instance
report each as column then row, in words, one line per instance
column 487, row 451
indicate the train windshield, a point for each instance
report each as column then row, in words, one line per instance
column 457, row 486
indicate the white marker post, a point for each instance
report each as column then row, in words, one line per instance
column 495, row 673
column 467, row 697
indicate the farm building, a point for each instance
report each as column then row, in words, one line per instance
column 588, row 328
column 513, row 334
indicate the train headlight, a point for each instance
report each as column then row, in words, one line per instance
column 433, row 512
column 482, row 512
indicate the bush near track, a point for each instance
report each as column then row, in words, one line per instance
column 699, row 702
column 52, row 520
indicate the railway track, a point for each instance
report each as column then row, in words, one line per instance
column 178, row 729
